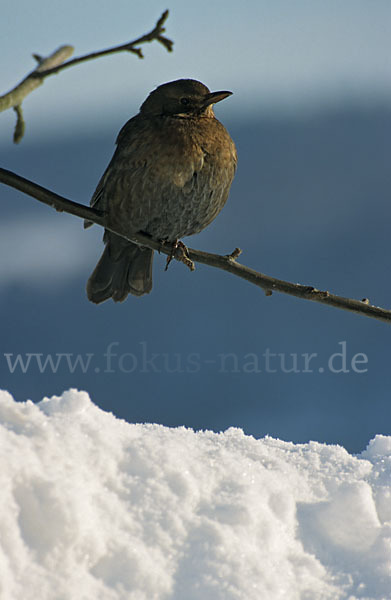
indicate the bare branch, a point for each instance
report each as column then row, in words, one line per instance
column 154, row 34
column 226, row 263
column 57, row 61
column 16, row 96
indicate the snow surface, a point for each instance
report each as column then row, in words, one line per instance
column 94, row 508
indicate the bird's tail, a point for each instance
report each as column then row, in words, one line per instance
column 122, row 269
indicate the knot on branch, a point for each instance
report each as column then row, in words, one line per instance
column 234, row 255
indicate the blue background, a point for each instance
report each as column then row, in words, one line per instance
column 310, row 204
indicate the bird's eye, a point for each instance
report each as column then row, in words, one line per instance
column 185, row 101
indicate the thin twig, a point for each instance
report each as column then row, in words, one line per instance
column 20, row 124
column 226, row 263
column 154, row 34
column 57, row 61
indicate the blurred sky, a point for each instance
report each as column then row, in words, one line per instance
column 275, row 56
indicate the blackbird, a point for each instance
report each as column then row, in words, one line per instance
column 169, row 177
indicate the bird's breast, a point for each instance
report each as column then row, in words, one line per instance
column 173, row 177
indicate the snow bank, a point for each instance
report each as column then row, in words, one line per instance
column 94, row 508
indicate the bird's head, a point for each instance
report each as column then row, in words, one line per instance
column 184, row 97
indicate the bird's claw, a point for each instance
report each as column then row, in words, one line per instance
column 180, row 252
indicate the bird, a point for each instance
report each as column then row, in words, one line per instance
column 169, row 177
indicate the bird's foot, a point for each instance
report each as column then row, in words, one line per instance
column 180, row 252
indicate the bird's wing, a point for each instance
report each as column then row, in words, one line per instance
column 98, row 200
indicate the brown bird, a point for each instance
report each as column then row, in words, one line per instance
column 169, row 177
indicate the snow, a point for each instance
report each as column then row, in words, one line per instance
column 92, row 507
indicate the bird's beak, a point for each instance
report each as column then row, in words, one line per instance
column 214, row 97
